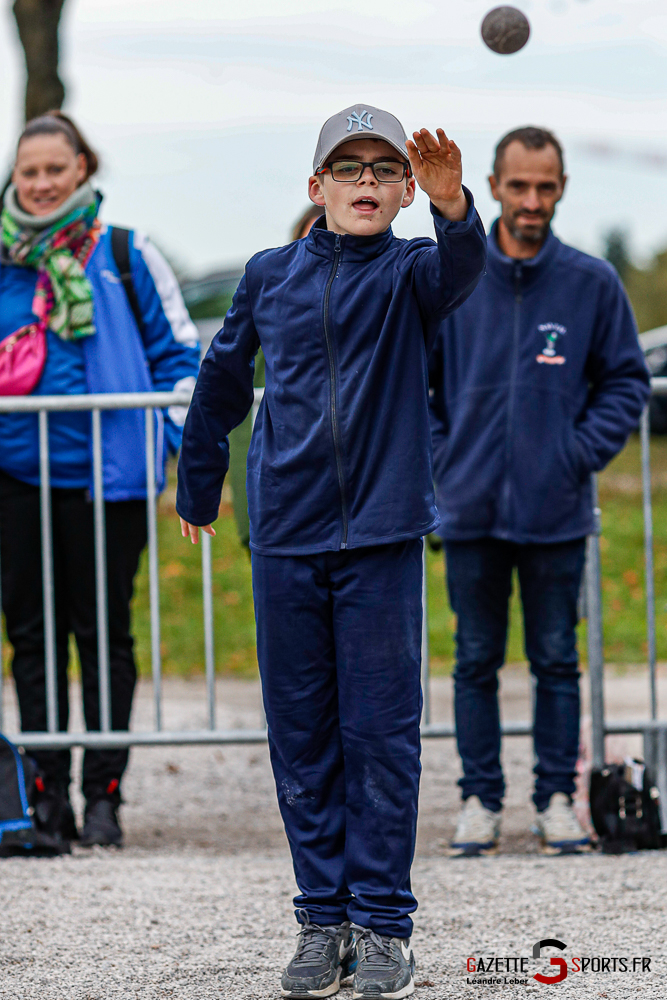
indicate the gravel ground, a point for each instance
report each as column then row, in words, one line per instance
column 198, row 904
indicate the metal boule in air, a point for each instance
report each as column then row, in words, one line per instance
column 505, row 30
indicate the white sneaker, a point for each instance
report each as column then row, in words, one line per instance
column 477, row 830
column 559, row 829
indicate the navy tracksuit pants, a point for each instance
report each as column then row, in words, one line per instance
column 339, row 649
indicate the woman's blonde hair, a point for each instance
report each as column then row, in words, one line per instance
column 311, row 215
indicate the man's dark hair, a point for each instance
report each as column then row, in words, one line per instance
column 532, row 138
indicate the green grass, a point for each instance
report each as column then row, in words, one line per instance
column 182, row 637
column 211, row 308
column 622, row 567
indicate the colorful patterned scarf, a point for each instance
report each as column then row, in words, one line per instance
column 63, row 295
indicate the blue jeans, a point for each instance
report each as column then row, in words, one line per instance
column 479, row 578
column 339, row 650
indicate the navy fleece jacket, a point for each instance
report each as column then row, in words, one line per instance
column 537, row 381
column 340, row 455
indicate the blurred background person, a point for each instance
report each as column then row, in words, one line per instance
column 60, row 285
column 239, row 439
column 538, row 379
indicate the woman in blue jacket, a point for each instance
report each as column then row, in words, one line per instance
column 60, row 281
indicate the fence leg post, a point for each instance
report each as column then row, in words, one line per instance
column 650, row 751
column 209, row 653
column 595, row 635
column 661, row 774
column 47, row 576
column 153, row 574
column 648, row 558
column 259, row 393
column 104, row 680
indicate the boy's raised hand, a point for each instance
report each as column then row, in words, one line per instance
column 436, row 165
column 193, row 531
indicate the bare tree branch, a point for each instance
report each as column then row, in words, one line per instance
column 37, row 23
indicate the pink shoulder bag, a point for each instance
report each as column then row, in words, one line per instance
column 22, row 357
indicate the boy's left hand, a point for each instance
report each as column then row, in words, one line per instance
column 436, row 165
column 192, row 530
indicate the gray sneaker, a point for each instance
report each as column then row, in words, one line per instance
column 559, row 829
column 477, row 830
column 385, row 966
column 324, row 956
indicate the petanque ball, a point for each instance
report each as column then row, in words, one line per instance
column 505, row 30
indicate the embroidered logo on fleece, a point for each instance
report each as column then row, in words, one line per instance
column 549, row 356
column 358, row 120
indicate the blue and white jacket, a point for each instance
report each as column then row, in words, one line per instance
column 537, row 381
column 340, row 455
column 161, row 356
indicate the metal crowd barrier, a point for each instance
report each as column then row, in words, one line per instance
column 653, row 730
column 52, row 739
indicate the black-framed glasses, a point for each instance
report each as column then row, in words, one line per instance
column 350, row 171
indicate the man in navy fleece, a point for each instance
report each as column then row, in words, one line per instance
column 340, row 493
column 537, row 382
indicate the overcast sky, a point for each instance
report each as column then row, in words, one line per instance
column 206, row 112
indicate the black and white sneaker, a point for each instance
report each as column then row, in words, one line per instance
column 385, row 966
column 324, row 956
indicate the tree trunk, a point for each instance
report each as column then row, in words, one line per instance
column 37, row 22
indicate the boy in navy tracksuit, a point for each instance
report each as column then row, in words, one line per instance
column 340, row 494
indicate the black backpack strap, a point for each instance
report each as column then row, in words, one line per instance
column 120, row 248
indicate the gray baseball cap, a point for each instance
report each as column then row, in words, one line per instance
column 361, row 121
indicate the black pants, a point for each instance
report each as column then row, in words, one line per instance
column 75, row 612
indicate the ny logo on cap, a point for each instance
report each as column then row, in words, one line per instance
column 359, row 120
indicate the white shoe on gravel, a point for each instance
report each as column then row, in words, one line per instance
column 477, row 831
column 559, row 829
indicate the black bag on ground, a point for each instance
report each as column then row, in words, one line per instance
column 18, row 833
column 625, row 808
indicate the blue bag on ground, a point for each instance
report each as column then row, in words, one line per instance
column 18, row 833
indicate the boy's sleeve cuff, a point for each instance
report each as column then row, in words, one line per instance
column 453, row 228
column 196, row 517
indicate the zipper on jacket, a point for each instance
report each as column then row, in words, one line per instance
column 512, row 388
column 333, row 385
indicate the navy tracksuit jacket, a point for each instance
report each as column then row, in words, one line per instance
column 538, row 379
column 340, row 489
